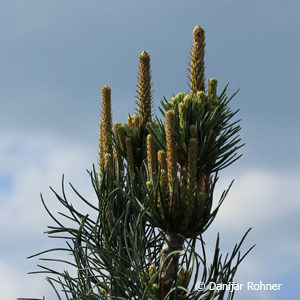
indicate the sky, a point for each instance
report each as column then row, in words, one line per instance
column 55, row 57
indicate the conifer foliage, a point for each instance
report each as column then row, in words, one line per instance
column 155, row 187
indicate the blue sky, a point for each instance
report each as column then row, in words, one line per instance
column 56, row 56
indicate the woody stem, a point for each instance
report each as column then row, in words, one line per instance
column 169, row 263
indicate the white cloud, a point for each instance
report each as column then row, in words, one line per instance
column 260, row 197
column 34, row 163
column 37, row 164
column 14, row 283
column 269, row 203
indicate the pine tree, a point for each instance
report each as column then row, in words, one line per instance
column 155, row 185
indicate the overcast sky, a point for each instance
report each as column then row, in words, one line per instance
column 55, row 56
